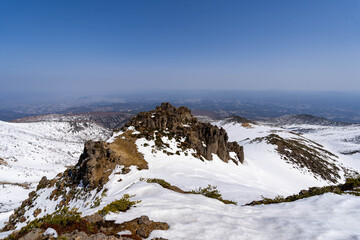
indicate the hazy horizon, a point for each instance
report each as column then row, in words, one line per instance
column 97, row 47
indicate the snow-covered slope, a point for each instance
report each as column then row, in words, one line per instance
column 265, row 171
column 301, row 119
column 33, row 150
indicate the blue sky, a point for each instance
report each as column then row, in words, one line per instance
column 107, row 46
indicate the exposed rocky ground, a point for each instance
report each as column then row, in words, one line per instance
column 92, row 227
column 205, row 138
column 306, row 154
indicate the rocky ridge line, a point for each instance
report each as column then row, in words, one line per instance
column 205, row 138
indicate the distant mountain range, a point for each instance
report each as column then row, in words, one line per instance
column 253, row 105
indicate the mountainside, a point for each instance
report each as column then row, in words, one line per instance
column 107, row 119
column 296, row 119
column 165, row 174
column 29, row 151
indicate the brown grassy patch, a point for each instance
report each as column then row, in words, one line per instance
column 3, row 162
column 23, row 185
column 124, row 146
column 246, row 125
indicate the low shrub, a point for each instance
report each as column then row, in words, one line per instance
column 351, row 186
column 121, row 205
column 159, row 181
column 63, row 221
column 212, row 192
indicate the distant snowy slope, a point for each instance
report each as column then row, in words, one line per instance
column 341, row 140
column 106, row 119
column 303, row 119
column 264, row 143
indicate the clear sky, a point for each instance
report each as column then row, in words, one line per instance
column 99, row 46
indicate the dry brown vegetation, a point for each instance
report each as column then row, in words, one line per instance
column 246, row 125
column 23, row 185
column 125, row 148
column 3, row 162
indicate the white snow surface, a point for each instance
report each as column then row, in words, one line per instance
column 50, row 232
column 338, row 140
column 328, row 216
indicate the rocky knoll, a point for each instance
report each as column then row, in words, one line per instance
column 205, row 138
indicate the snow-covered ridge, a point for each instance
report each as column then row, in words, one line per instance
column 298, row 119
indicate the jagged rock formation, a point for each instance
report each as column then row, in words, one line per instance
column 205, row 138
column 93, row 164
column 98, row 157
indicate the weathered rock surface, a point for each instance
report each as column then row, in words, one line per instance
column 141, row 227
column 93, row 164
column 102, row 229
column 76, row 235
column 205, row 138
column 34, row 235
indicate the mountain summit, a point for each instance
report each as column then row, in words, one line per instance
column 205, row 138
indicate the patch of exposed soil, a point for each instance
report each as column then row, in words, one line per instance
column 125, row 148
column 3, row 162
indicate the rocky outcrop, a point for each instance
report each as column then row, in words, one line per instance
column 205, row 138
column 92, row 227
column 94, row 163
column 77, row 235
column 139, row 227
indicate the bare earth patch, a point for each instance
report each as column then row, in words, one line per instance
column 125, row 148
column 3, row 162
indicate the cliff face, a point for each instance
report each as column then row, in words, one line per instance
column 205, row 138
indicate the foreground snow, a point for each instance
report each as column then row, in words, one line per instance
column 328, row 216
column 196, row 217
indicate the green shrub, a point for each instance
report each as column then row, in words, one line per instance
column 209, row 191
column 117, row 206
column 62, row 220
column 212, row 192
column 351, row 186
column 161, row 182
